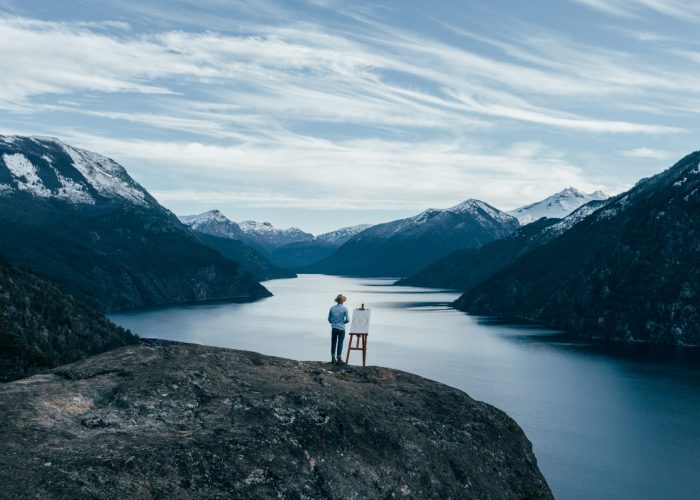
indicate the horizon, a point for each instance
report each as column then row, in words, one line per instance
column 261, row 221
column 320, row 115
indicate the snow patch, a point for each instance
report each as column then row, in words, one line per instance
column 574, row 218
column 106, row 176
column 25, row 175
column 343, row 234
column 72, row 191
column 557, row 206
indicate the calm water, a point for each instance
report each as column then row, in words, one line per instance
column 604, row 424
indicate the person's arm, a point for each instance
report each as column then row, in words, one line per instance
column 329, row 315
column 347, row 315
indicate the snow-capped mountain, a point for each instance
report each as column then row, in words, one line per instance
column 213, row 223
column 340, row 236
column 626, row 271
column 46, row 167
column 77, row 218
column 404, row 246
column 466, row 267
column 268, row 237
column 556, row 206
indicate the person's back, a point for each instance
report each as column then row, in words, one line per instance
column 338, row 316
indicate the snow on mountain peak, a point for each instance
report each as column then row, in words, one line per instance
column 557, row 206
column 475, row 207
column 213, row 222
column 343, row 234
column 38, row 165
column 211, row 215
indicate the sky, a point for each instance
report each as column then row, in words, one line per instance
column 321, row 114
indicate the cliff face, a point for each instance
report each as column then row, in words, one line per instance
column 174, row 420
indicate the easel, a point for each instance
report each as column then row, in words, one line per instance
column 359, row 337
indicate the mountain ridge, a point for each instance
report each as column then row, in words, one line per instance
column 403, row 246
column 104, row 238
column 628, row 271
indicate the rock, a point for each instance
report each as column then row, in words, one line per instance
column 171, row 420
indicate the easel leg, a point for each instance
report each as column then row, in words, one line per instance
column 364, row 349
column 347, row 354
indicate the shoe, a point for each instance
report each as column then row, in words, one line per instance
column 333, row 361
column 339, row 362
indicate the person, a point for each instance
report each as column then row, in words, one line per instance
column 338, row 316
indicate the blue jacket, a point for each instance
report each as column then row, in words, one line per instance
column 338, row 316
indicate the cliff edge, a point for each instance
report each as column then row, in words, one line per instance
column 171, row 420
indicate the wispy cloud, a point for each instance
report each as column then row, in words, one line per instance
column 645, row 153
column 687, row 10
column 253, row 101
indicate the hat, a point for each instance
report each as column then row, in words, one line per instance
column 341, row 298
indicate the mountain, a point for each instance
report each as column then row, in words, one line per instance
column 216, row 231
column 43, row 327
column 630, row 270
column 79, row 220
column 556, row 206
column 267, row 237
column 402, row 247
column 213, row 223
column 300, row 254
column 340, row 236
column 465, row 268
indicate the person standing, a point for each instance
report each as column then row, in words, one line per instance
column 338, row 316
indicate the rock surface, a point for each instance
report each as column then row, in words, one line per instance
column 172, row 420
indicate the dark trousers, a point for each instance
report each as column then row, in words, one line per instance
column 337, row 337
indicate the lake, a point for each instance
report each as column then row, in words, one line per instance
column 605, row 421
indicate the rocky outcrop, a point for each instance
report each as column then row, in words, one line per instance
column 173, row 420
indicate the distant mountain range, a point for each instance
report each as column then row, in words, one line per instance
column 627, row 270
column 275, row 248
column 404, row 246
column 467, row 267
column 557, row 206
column 78, row 219
column 213, row 229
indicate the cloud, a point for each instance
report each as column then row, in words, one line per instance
column 687, row 10
column 358, row 174
column 645, row 153
column 303, row 73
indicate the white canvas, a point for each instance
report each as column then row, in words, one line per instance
column 360, row 321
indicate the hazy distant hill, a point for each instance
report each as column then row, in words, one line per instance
column 271, row 251
column 402, row 247
column 77, row 218
column 216, row 231
column 630, row 270
column 303, row 253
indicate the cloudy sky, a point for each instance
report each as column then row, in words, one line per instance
column 323, row 113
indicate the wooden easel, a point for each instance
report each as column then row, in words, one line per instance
column 359, row 337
